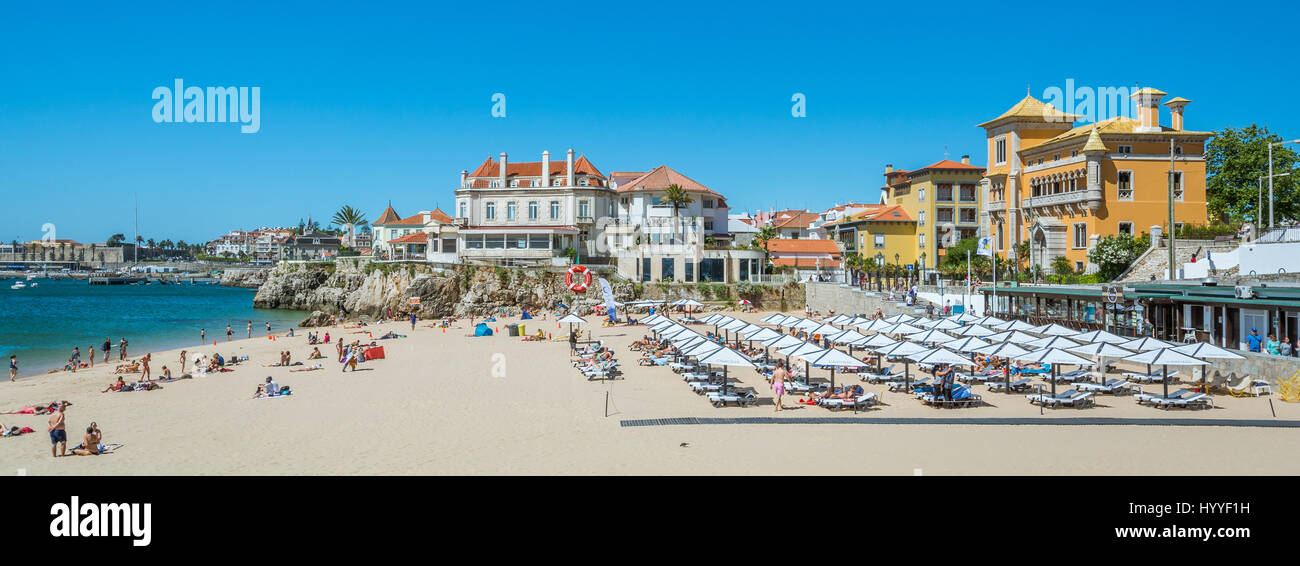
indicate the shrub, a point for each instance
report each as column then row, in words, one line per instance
column 720, row 291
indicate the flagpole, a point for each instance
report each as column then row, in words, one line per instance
column 965, row 301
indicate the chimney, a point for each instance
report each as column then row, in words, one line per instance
column 569, row 169
column 463, row 175
column 1148, row 109
column 889, row 168
column 965, row 160
column 502, row 172
column 546, row 168
column 1176, row 107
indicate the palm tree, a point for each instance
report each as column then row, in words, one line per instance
column 678, row 198
column 349, row 218
column 761, row 238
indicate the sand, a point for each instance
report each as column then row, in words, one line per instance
column 445, row 403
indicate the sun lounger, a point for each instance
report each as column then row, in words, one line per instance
column 1021, row 385
column 899, row 385
column 970, row 378
column 961, row 397
column 680, row 367
column 721, row 399
column 1153, row 398
column 1073, row 398
column 1193, row 401
column 1156, row 376
column 1112, row 386
column 860, row 402
column 883, row 375
column 793, row 386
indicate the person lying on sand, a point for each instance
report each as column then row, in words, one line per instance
column 309, row 368
column 115, row 386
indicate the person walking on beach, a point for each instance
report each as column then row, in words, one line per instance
column 144, row 362
column 91, row 349
column 121, row 350
column 250, row 329
column 268, row 329
column 229, row 333
column 203, row 335
column 107, row 348
column 779, row 377
column 75, row 360
column 13, row 368
column 58, row 431
column 183, row 353
column 412, row 322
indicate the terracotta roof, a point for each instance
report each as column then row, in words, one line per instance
column 800, row 220
column 1030, row 107
column 949, row 164
column 659, row 178
column 893, row 213
column 418, row 219
column 802, row 246
column 805, row 262
column 491, row 168
column 388, row 216
column 416, row 238
column 1116, row 125
column 441, row 216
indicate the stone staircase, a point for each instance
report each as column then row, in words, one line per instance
column 1155, row 261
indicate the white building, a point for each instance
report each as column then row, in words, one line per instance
column 531, row 213
column 428, row 235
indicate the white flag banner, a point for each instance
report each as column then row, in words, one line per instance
column 985, row 247
column 609, row 298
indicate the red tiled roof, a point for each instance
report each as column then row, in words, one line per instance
column 893, row 213
column 949, row 164
column 441, row 216
column 492, row 168
column 805, row 262
column 416, row 238
column 801, row 220
column 660, row 178
column 806, row 246
column 418, row 219
column 389, row 216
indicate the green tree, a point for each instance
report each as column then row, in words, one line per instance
column 1113, row 254
column 1061, row 267
column 761, row 238
column 954, row 259
column 115, row 241
column 350, row 218
column 677, row 197
column 1235, row 159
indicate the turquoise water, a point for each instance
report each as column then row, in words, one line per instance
column 42, row 324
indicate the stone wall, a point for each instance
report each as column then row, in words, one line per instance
column 844, row 299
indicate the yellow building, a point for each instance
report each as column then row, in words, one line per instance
column 1062, row 188
column 944, row 200
column 885, row 233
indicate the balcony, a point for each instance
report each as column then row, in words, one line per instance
column 996, row 206
column 586, row 220
column 1058, row 199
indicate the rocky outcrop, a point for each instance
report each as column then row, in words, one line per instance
column 360, row 290
column 246, row 278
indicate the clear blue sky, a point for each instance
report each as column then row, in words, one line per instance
column 363, row 103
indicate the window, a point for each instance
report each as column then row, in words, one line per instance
column 943, row 215
column 920, row 218
column 708, row 203
column 490, row 211
column 532, row 210
column 539, row 241
column 920, row 240
column 968, row 193
column 1126, row 228
column 555, row 209
column 1056, row 157
column 1078, row 266
column 462, row 209
column 495, row 241
column 584, row 209
column 1178, row 150
column 514, row 182
column 1001, row 241
column 1080, row 236
column 708, row 225
column 1124, row 183
column 943, row 194
column 512, row 210
column 879, row 241
column 448, row 246
column 920, row 195
column 666, row 269
column 474, row 242
column 645, row 269
column 1074, row 153
column 583, row 182
column 690, row 271
column 517, row 241
column 1126, row 149
column 1178, row 186
column 968, row 216
column 1000, row 151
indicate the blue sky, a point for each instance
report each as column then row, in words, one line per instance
column 363, row 103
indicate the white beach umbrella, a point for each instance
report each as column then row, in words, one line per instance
column 1100, row 350
column 824, row 330
column 899, row 318
column 902, row 328
column 931, row 337
column 1014, row 325
column 775, row 318
column 751, row 330
column 1164, row 357
column 652, row 319
column 1015, row 337
column 941, row 356
column 987, row 321
column 1052, row 342
column 974, row 330
column 571, row 319
column 790, row 322
column 725, row 357
column 785, row 341
column 801, row 351
column 1206, row 351
column 945, row 324
column 875, row 325
column 663, row 324
column 669, row 333
column 847, row 337
column 966, row 317
column 838, row 319
column 807, row 324
column 902, row 350
column 834, row 359
column 701, row 349
column 1055, row 357
column 712, row 318
column 687, row 342
column 858, row 320
column 1101, row 336
column 684, row 337
column 1054, row 329
column 967, row 344
column 764, row 334
column 1146, row 344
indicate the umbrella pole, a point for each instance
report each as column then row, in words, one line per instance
column 1165, row 378
column 1054, row 381
column 832, row 378
column 907, row 376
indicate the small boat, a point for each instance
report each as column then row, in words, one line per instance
column 18, row 285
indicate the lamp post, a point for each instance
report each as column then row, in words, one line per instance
column 1173, row 268
column 1270, row 177
column 880, row 264
column 1259, row 210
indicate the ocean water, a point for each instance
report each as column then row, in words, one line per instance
column 42, row 324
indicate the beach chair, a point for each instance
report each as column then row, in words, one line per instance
column 859, row 402
column 961, row 397
column 803, row 387
column 1193, row 401
column 1079, row 400
column 1152, row 399
column 886, row 374
column 1156, row 376
column 721, row 399
column 702, row 387
column 899, row 385
column 1071, row 376
column 1249, row 387
column 1112, row 386
column 1017, row 386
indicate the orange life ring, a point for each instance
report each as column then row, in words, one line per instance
column 578, row 279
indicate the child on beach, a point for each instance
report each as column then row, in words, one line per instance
column 13, row 367
column 91, row 349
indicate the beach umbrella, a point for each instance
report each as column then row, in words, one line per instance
column 701, row 349
column 902, row 350
column 765, row 334
column 945, row 324
column 1054, row 329
column 839, row 319
column 772, row 318
column 1205, row 351
column 847, row 337
column 684, row 337
column 800, row 351
column 834, row 359
column 926, row 323
column 931, row 337
column 1164, row 357
column 1055, row 357
column 1014, row 336
column 1013, row 325
column 690, row 304
column 725, row 357
column 858, row 320
column 902, row 328
column 1052, row 342
column 941, row 356
column 967, row 344
column 790, row 322
column 713, row 317
column 1100, row 350
column 652, row 319
column 669, row 333
column 684, row 342
column 899, row 318
column 974, row 330
column 784, row 341
column 824, row 330
column 753, row 329
column 1101, row 336
column 1146, row 344
column 571, row 319
column 662, row 324
column 967, row 317
column 807, row 324
column 875, row 325
column 1006, row 350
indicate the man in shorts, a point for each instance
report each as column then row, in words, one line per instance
column 779, row 377
column 58, row 431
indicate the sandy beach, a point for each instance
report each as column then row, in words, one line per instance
column 445, row 403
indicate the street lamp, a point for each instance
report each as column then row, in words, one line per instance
column 1259, row 222
column 880, row 264
column 1270, row 177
